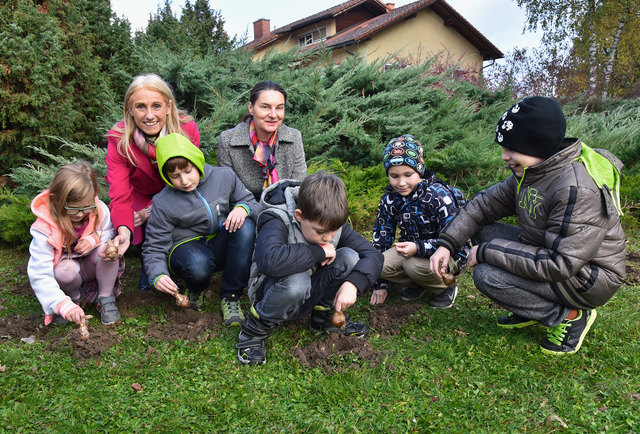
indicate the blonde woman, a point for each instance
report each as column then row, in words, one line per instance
column 149, row 113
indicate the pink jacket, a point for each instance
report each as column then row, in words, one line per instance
column 132, row 187
column 46, row 251
column 45, row 224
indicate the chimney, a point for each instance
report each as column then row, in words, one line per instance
column 261, row 28
column 390, row 6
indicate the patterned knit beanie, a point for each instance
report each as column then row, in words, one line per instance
column 404, row 150
column 534, row 126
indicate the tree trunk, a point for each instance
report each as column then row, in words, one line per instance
column 614, row 48
column 593, row 50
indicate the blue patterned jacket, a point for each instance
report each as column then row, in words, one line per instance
column 420, row 217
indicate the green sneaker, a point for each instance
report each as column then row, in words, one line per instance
column 567, row 337
column 231, row 312
column 513, row 321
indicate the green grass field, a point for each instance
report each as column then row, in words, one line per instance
column 438, row 370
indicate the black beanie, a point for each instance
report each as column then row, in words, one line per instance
column 534, row 126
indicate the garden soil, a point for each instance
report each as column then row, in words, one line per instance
column 331, row 353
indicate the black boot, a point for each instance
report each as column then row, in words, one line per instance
column 252, row 340
column 320, row 322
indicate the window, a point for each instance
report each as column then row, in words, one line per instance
column 313, row 37
column 305, row 40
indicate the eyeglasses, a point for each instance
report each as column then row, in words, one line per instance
column 74, row 211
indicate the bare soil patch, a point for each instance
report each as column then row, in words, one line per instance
column 388, row 320
column 633, row 269
column 333, row 353
column 337, row 353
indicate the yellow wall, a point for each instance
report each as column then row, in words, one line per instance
column 421, row 38
column 417, row 39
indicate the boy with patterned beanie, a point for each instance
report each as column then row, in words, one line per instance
column 567, row 256
column 419, row 205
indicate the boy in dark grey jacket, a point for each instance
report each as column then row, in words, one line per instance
column 199, row 226
column 568, row 254
column 307, row 259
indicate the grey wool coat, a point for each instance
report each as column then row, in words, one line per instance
column 235, row 150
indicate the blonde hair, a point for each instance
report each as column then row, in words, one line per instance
column 174, row 121
column 72, row 183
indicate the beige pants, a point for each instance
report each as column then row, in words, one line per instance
column 412, row 272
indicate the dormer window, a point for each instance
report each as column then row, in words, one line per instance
column 305, row 40
column 313, row 37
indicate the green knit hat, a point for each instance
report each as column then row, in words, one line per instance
column 177, row 145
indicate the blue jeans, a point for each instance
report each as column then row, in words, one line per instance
column 197, row 260
column 294, row 296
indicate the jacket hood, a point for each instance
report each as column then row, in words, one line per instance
column 177, row 145
column 283, row 195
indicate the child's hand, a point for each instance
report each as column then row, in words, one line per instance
column 346, row 296
column 83, row 247
column 164, row 283
column 140, row 217
column 473, row 258
column 378, row 296
column 235, row 219
column 329, row 252
column 406, row 249
column 75, row 315
column 439, row 261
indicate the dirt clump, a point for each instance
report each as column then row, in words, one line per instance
column 84, row 350
column 337, row 353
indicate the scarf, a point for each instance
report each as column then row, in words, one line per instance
column 264, row 155
column 147, row 143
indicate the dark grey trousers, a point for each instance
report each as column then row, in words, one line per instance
column 527, row 298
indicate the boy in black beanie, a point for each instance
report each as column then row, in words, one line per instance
column 568, row 254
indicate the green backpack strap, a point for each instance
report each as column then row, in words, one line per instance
column 604, row 168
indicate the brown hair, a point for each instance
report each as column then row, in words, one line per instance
column 323, row 199
column 259, row 88
column 174, row 121
column 174, row 163
column 72, row 183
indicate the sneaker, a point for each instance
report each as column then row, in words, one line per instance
column 567, row 337
column 252, row 340
column 108, row 310
column 410, row 294
column 513, row 321
column 320, row 322
column 445, row 299
column 231, row 312
column 196, row 300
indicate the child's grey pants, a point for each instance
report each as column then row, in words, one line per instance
column 294, row 296
column 527, row 298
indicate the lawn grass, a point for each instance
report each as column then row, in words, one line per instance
column 445, row 370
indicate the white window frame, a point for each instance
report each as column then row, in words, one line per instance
column 312, row 37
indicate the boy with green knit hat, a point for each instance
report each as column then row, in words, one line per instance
column 199, row 226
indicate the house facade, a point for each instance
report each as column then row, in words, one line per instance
column 414, row 33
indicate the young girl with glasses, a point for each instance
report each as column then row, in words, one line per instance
column 67, row 264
